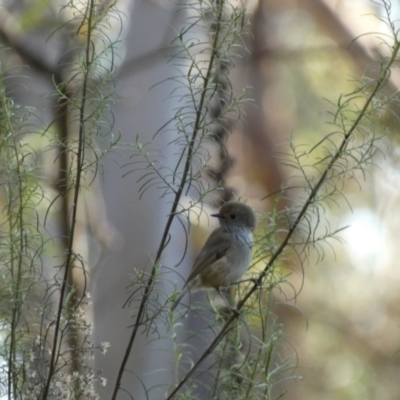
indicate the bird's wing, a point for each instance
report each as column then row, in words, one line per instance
column 216, row 246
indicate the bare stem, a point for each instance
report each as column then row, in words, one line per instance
column 79, row 168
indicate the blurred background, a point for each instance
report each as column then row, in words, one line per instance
column 344, row 322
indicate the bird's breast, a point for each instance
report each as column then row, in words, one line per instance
column 232, row 266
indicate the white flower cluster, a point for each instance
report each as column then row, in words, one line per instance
column 76, row 349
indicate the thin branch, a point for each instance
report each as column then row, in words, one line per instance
column 79, row 166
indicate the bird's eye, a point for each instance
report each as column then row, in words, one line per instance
column 233, row 216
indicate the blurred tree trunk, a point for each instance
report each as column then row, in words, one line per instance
column 139, row 223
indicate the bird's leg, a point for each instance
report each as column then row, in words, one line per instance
column 231, row 308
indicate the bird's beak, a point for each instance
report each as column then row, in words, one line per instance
column 217, row 215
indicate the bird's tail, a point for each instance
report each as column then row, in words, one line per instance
column 188, row 287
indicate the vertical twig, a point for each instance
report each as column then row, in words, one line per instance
column 79, row 168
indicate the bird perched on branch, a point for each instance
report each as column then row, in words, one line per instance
column 226, row 255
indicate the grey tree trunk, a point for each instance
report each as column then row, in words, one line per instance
column 139, row 223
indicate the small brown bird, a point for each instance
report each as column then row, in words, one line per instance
column 226, row 255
